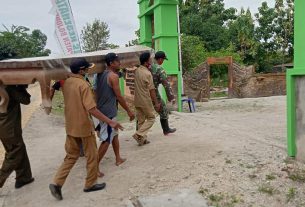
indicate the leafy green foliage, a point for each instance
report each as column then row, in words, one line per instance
column 135, row 41
column 264, row 39
column 193, row 52
column 19, row 42
column 206, row 19
column 95, row 36
column 242, row 36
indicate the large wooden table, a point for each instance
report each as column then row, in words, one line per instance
column 44, row 69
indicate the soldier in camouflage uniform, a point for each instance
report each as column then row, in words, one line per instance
column 160, row 77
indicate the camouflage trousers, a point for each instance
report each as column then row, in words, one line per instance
column 164, row 111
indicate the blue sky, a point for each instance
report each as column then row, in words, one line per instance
column 121, row 16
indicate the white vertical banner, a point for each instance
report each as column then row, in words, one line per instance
column 65, row 29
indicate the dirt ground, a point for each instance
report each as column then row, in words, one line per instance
column 232, row 151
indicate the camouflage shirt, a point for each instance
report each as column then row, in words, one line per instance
column 160, row 77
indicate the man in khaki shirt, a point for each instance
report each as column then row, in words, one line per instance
column 145, row 97
column 79, row 106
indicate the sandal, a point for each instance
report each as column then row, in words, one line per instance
column 140, row 140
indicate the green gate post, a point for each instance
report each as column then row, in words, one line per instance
column 298, row 70
column 159, row 29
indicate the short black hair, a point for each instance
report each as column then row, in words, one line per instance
column 110, row 57
column 144, row 57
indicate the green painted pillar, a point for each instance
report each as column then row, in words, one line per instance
column 145, row 23
column 299, row 35
column 159, row 28
column 298, row 71
column 122, row 88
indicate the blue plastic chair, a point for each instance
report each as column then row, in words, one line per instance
column 190, row 102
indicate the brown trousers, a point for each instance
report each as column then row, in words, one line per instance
column 72, row 148
column 146, row 119
column 16, row 159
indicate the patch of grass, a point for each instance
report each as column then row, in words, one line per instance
column 250, row 166
column 297, row 175
column 270, row 177
column 58, row 107
column 291, row 194
column 203, row 191
column 228, row 161
column 58, row 103
column 252, row 176
column 267, row 189
column 122, row 115
column 218, row 94
column 289, row 160
column 215, row 197
column 220, row 199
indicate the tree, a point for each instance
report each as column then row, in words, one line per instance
column 275, row 34
column 284, row 26
column 95, row 36
column 193, row 52
column 207, row 19
column 265, row 30
column 242, row 36
column 265, row 35
column 135, row 41
column 19, row 42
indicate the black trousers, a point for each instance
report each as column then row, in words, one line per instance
column 16, row 159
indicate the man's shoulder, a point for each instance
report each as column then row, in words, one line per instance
column 158, row 68
column 142, row 70
column 113, row 75
column 76, row 82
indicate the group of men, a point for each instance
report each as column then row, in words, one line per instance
column 81, row 103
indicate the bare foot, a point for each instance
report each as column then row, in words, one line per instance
column 120, row 161
column 100, row 174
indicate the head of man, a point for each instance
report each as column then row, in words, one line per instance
column 80, row 66
column 145, row 59
column 113, row 62
column 160, row 56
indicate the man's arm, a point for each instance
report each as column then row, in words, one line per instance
column 20, row 94
column 100, row 116
column 114, row 82
column 166, row 85
column 90, row 105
